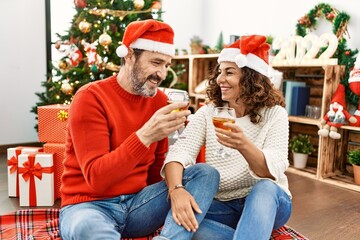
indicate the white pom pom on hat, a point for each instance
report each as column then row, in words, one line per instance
column 122, row 51
column 150, row 35
column 249, row 51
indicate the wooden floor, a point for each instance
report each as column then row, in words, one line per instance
column 320, row 211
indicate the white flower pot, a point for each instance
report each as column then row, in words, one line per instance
column 300, row 159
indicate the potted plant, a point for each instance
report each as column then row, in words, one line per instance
column 354, row 159
column 301, row 146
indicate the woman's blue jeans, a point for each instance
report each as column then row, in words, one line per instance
column 140, row 214
column 267, row 207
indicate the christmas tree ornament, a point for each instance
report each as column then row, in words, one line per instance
column 156, row 5
column 62, row 65
column 90, row 50
column 57, row 45
column 66, row 88
column 84, row 26
column 74, row 55
column 80, row 3
column 94, row 68
column 139, row 4
column 105, row 39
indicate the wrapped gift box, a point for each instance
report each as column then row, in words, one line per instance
column 36, row 179
column 52, row 123
column 58, row 150
column 12, row 162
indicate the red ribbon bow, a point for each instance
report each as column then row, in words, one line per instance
column 29, row 172
column 13, row 164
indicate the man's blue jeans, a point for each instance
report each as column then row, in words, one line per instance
column 267, row 207
column 137, row 215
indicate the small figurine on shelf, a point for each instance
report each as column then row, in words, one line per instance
column 337, row 116
column 354, row 85
column 196, row 45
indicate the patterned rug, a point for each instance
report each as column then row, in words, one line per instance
column 42, row 224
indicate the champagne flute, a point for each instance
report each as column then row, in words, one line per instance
column 178, row 96
column 223, row 115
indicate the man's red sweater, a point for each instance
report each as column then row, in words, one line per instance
column 104, row 157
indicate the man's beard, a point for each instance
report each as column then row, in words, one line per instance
column 139, row 86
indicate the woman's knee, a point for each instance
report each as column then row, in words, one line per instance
column 203, row 175
column 208, row 170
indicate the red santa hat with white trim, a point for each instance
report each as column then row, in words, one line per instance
column 339, row 96
column 150, row 35
column 249, row 51
column 354, row 79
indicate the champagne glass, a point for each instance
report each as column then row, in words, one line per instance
column 178, row 96
column 223, row 115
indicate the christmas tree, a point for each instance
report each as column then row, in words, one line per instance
column 89, row 47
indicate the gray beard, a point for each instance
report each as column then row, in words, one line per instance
column 139, row 87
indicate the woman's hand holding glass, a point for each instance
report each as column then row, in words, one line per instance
column 223, row 115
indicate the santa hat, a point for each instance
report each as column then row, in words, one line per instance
column 339, row 96
column 150, row 35
column 248, row 51
column 354, row 79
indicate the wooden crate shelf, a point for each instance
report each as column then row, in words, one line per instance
column 329, row 162
column 198, row 68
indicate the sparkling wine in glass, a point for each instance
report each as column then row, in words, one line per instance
column 178, row 96
column 223, row 115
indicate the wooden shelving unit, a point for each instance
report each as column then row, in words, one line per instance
column 198, row 68
column 329, row 162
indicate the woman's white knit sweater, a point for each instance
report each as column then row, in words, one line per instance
column 236, row 179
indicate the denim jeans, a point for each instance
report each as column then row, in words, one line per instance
column 136, row 215
column 267, row 207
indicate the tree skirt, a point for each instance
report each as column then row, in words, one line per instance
column 44, row 224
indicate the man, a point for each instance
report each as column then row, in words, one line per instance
column 116, row 145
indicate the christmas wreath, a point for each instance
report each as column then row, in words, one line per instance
column 339, row 20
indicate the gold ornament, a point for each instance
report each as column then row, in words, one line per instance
column 139, row 4
column 66, row 88
column 63, row 65
column 105, row 39
column 84, row 26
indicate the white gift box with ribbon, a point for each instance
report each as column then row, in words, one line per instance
column 36, row 179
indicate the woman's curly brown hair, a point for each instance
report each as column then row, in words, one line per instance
column 257, row 92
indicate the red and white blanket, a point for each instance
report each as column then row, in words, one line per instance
column 44, row 224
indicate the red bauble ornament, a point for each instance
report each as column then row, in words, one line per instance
column 330, row 16
column 347, row 53
column 80, row 3
column 156, row 5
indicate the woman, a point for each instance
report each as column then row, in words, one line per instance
column 253, row 196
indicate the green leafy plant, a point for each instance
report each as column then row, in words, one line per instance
column 354, row 157
column 301, row 144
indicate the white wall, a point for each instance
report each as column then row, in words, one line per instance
column 22, row 67
column 239, row 17
column 23, row 61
